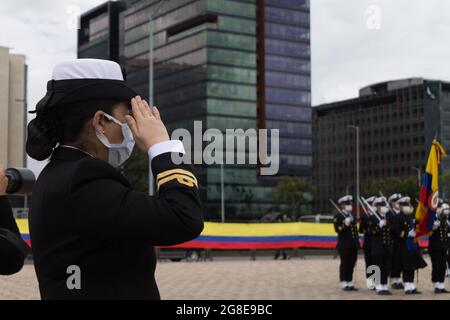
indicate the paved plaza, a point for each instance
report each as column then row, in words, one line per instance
column 312, row 278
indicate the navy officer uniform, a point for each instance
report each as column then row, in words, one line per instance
column 85, row 214
column 348, row 242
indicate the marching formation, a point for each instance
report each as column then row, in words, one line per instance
column 392, row 253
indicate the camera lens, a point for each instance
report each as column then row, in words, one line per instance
column 20, row 181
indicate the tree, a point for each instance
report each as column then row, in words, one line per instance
column 293, row 192
column 136, row 170
column 445, row 185
column 405, row 186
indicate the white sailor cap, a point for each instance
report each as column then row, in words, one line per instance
column 85, row 80
column 404, row 201
column 380, row 201
column 371, row 200
column 444, row 206
column 345, row 199
column 395, row 197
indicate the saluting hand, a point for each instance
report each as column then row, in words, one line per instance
column 146, row 125
column 3, row 181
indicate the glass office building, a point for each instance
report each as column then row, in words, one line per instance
column 398, row 120
column 231, row 64
column 285, row 49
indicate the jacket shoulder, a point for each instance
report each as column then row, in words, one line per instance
column 91, row 169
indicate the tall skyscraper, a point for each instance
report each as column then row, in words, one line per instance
column 231, row 64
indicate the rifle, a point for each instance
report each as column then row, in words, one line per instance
column 337, row 208
column 370, row 208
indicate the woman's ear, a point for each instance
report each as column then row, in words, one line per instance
column 97, row 122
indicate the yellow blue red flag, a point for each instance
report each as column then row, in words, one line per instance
column 429, row 193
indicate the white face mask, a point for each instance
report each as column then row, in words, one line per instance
column 118, row 153
column 348, row 208
column 407, row 210
column 384, row 210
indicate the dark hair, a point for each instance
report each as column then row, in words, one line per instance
column 61, row 124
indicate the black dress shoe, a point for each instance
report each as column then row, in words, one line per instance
column 438, row 291
column 384, row 293
column 346, row 289
column 415, row 291
column 397, row 286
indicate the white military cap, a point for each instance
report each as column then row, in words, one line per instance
column 380, row 201
column 445, row 206
column 371, row 199
column 345, row 199
column 83, row 80
column 404, row 201
column 395, row 197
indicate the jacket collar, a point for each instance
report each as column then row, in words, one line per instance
column 71, row 154
column 68, row 154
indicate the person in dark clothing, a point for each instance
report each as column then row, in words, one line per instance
column 93, row 236
column 13, row 249
column 381, row 235
column 348, row 242
column 437, row 248
column 367, row 244
column 395, row 273
column 408, row 248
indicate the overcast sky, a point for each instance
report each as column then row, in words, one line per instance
column 354, row 42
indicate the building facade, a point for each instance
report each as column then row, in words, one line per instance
column 13, row 83
column 98, row 35
column 230, row 64
column 398, row 120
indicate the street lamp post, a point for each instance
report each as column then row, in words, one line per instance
column 357, row 170
column 222, row 192
column 419, row 173
column 151, row 179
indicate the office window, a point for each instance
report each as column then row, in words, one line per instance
column 286, row 32
column 229, row 40
column 233, row 58
column 232, row 74
column 233, row 108
column 287, row 80
column 286, row 16
column 289, row 64
column 276, row 95
column 287, row 48
column 232, row 7
column 290, row 128
column 237, row 25
column 280, row 112
column 294, row 4
column 98, row 27
column 224, row 90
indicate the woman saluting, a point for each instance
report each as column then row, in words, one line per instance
column 92, row 234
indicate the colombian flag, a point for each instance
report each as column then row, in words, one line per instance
column 429, row 194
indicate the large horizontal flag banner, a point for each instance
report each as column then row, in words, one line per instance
column 253, row 236
column 235, row 236
column 429, row 193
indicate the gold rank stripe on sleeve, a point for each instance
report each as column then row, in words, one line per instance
column 183, row 177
